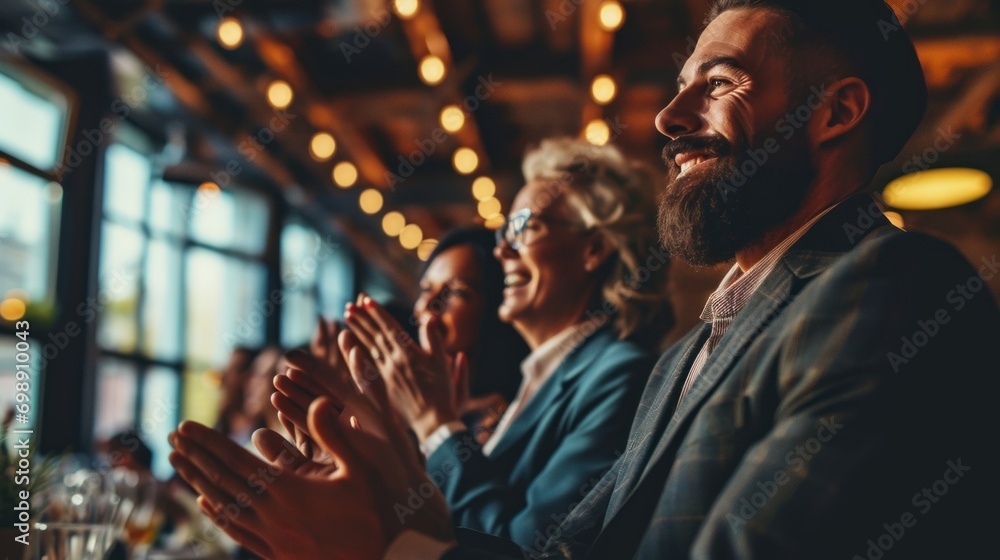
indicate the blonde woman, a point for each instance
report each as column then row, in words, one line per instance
column 583, row 278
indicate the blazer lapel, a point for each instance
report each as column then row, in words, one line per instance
column 825, row 242
column 658, row 399
column 553, row 389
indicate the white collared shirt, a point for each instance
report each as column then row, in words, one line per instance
column 536, row 369
column 734, row 292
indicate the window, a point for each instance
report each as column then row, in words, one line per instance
column 317, row 277
column 182, row 282
column 34, row 112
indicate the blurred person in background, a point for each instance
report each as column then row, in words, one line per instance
column 232, row 419
column 584, row 280
column 257, row 407
column 462, row 285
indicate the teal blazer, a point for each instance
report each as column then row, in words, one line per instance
column 849, row 412
column 565, row 439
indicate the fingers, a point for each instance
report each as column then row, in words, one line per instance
column 332, row 387
column 277, row 449
column 240, row 534
column 290, row 411
column 196, row 477
column 367, row 377
column 219, row 447
column 325, row 428
column 363, row 327
column 386, row 322
column 295, row 391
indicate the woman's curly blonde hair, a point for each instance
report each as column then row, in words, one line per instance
column 616, row 196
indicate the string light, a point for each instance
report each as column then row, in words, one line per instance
column 597, row 132
column 411, row 236
column 465, row 160
column 483, row 188
column 370, row 201
column 279, row 94
column 230, row 33
column 406, row 8
column 611, row 15
column 14, row 305
column 495, row 222
column 322, row 146
column 452, row 118
column 345, row 174
column 489, row 208
column 603, row 89
column 432, row 70
column 393, row 223
column 425, row 248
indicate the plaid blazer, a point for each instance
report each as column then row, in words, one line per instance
column 845, row 414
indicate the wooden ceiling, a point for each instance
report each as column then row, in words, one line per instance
column 353, row 65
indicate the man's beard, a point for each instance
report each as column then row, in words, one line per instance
column 713, row 211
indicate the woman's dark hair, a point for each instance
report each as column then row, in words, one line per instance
column 500, row 350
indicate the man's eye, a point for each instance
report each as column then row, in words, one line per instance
column 716, row 83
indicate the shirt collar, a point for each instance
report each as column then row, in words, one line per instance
column 737, row 286
column 544, row 360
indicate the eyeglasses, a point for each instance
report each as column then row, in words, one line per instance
column 521, row 228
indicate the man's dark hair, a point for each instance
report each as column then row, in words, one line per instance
column 861, row 38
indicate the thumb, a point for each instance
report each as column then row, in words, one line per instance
column 328, row 433
column 272, row 446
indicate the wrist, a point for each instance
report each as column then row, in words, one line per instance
column 427, row 423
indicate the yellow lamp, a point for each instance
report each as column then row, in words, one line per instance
column 937, row 188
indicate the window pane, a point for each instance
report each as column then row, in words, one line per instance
column 33, row 124
column 29, row 228
column 298, row 318
column 300, row 248
column 202, row 395
column 116, row 393
column 336, row 282
column 121, row 259
column 128, row 173
column 161, row 311
column 168, row 208
column 8, row 376
column 159, row 415
column 230, row 219
column 226, row 306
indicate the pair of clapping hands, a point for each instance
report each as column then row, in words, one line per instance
column 332, row 494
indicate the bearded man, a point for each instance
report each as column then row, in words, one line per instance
column 833, row 404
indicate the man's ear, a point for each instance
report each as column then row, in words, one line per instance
column 847, row 102
column 598, row 249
